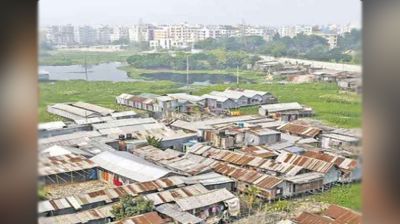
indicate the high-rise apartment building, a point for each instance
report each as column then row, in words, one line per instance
column 87, row 35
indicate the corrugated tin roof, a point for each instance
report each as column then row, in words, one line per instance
column 309, row 218
column 305, row 178
column 146, row 218
column 333, row 215
column 123, row 114
column 68, row 139
column 261, row 180
column 80, row 217
column 206, row 199
column 340, row 137
column 108, row 195
column 271, row 108
column 93, row 120
column 341, row 162
column 93, row 107
column 79, row 112
column 305, row 162
column 124, row 122
column 175, row 194
column 281, row 168
column 194, row 126
column 246, row 92
column 186, row 97
column 215, row 97
column 230, row 95
column 343, row 215
column 172, row 160
column 207, row 179
column 301, row 130
column 51, row 125
column 63, row 164
column 130, row 166
column 258, row 151
column 236, row 158
column 173, row 211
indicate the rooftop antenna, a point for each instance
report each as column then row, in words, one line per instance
column 187, row 72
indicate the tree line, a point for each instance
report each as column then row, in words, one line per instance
column 312, row 47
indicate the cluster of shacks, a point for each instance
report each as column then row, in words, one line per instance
column 332, row 215
column 193, row 172
column 215, row 101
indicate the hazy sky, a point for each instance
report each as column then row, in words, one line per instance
column 257, row 12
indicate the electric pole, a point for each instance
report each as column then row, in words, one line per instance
column 237, row 76
column 187, row 72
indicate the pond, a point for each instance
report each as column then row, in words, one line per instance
column 100, row 72
column 110, row 72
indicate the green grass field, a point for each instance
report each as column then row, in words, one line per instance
column 137, row 73
column 348, row 196
column 331, row 106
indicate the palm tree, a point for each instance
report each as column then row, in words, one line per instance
column 153, row 141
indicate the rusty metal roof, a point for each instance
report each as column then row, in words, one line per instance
column 204, row 199
column 172, row 160
column 63, row 164
column 341, row 162
column 300, row 130
column 147, row 218
column 309, row 218
column 261, row 180
column 305, row 162
column 79, row 217
column 258, row 151
column 342, row 215
column 176, row 213
column 175, row 194
column 236, row 158
column 333, row 215
column 108, row 195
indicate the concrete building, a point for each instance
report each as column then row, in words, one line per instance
column 87, row 35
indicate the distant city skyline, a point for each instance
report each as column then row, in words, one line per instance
column 209, row 12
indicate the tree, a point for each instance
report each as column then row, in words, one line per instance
column 127, row 207
column 251, row 196
column 350, row 41
column 153, row 141
column 42, row 193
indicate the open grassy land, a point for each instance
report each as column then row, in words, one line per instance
column 331, row 105
column 348, row 196
column 101, row 93
column 78, row 57
column 137, row 73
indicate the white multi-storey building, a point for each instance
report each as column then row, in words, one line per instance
column 287, row 31
column 304, row 29
column 141, row 32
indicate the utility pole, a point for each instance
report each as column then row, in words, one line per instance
column 86, row 75
column 237, row 76
column 187, row 72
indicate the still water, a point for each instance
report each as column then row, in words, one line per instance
column 100, row 72
column 110, row 72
